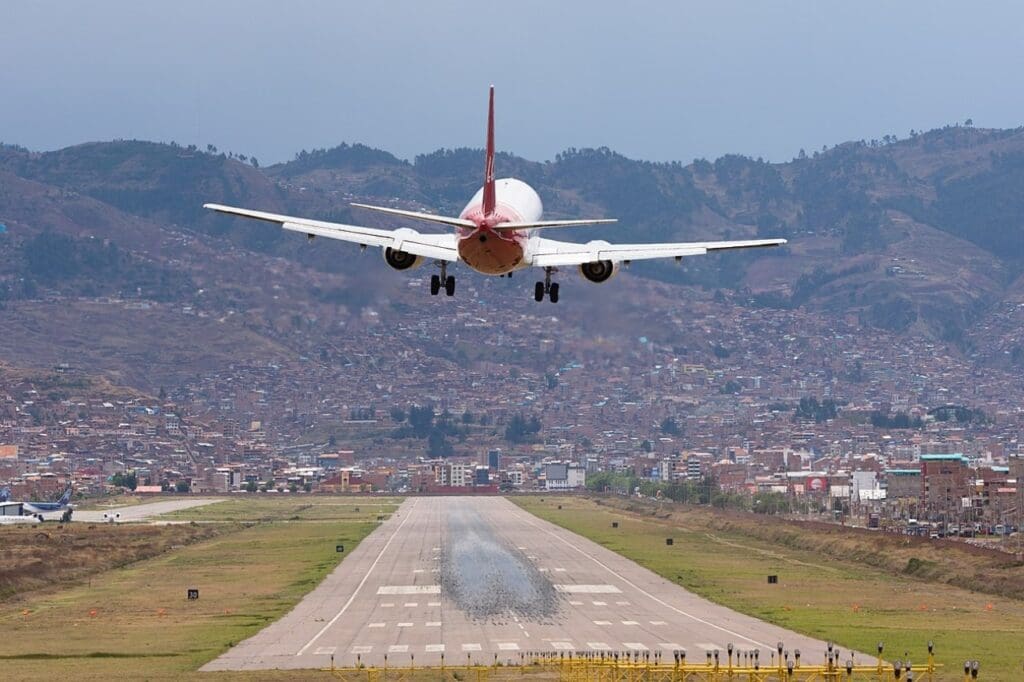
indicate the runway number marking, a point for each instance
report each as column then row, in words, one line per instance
column 362, row 582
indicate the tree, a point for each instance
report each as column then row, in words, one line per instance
column 438, row 445
column 397, row 414
column 646, row 446
column 467, row 417
column 182, row 486
column 250, row 486
column 670, row 427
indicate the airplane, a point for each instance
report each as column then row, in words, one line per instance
column 37, row 509
column 497, row 233
column 5, row 494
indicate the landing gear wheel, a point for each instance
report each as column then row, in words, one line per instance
column 538, row 292
column 553, row 293
column 449, row 285
column 435, row 285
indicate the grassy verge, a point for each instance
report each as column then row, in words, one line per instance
column 135, row 622
column 271, row 507
column 846, row 601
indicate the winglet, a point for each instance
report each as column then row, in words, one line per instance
column 490, row 200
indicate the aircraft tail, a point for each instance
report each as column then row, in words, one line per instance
column 66, row 497
column 5, row 494
column 490, row 198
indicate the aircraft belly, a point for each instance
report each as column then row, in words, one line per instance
column 493, row 255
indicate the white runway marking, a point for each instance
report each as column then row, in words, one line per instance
column 417, row 570
column 636, row 646
column 562, row 646
column 598, row 646
column 404, row 625
column 387, row 606
column 639, row 589
column 434, row 648
column 670, row 645
column 707, row 646
column 398, row 648
column 600, row 603
column 433, row 624
column 657, row 622
column 409, row 589
column 508, row 646
column 588, row 589
column 602, row 622
column 362, row 582
column 630, row 622
column 471, row 647
column 559, row 570
column 575, row 603
column 411, row 604
column 376, row 625
column 433, row 603
column 622, row 603
column 325, row 650
column 543, row 570
column 361, row 649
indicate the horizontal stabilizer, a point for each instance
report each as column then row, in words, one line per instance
column 544, row 224
column 415, row 215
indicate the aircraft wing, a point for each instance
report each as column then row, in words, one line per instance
column 553, row 253
column 435, row 246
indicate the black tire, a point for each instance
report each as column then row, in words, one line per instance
column 449, row 285
column 435, row 285
column 553, row 294
column 538, row 292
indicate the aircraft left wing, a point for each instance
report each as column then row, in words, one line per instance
column 435, row 246
column 552, row 253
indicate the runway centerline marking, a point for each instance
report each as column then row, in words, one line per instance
column 362, row 582
column 636, row 587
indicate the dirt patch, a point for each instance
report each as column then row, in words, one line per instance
column 33, row 559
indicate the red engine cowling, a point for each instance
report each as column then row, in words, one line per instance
column 598, row 271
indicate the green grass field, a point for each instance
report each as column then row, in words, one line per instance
column 844, row 601
column 135, row 622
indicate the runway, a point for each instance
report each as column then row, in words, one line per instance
column 140, row 512
column 480, row 578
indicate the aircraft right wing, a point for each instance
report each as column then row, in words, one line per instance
column 434, row 246
column 553, row 253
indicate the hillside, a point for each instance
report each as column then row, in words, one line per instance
column 921, row 237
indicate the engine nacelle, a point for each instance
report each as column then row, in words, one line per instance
column 401, row 260
column 598, row 271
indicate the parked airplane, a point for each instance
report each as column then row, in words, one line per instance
column 37, row 509
column 496, row 234
column 5, row 494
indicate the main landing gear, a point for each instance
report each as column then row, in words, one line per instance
column 546, row 287
column 444, row 279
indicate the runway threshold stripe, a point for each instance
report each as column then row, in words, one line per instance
column 362, row 582
column 636, row 587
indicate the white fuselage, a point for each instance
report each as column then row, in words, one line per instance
column 498, row 252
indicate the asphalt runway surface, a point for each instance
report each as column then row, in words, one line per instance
column 139, row 512
column 478, row 578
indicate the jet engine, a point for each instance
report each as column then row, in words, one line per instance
column 598, row 271
column 400, row 260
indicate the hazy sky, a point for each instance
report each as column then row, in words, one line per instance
column 652, row 80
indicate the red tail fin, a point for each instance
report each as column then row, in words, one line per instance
column 490, row 200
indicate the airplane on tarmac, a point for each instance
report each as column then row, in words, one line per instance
column 37, row 509
column 497, row 233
